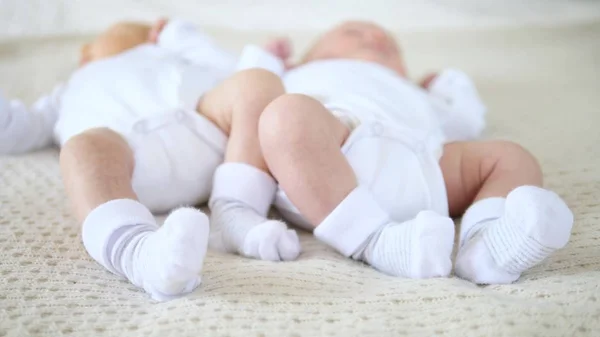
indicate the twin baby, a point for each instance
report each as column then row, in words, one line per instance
column 342, row 143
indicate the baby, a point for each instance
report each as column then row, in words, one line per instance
column 143, row 124
column 408, row 162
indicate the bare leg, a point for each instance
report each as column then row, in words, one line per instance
column 308, row 163
column 480, row 170
column 96, row 167
column 243, row 189
column 511, row 223
column 301, row 141
column 119, row 232
column 235, row 106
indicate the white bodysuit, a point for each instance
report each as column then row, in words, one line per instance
column 398, row 129
column 148, row 95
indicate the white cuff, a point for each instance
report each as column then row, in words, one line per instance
column 352, row 222
column 480, row 211
column 256, row 57
column 244, row 183
column 461, row 111
column 102, row 222
column 449, row 79
column 175, row 32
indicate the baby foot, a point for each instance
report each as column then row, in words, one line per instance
column 418, row 248
column 170, row 260
column 240, row 229
column 536, row 222
column 272, row 241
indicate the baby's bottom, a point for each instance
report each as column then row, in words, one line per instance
column 112, row 185
column 301, row 141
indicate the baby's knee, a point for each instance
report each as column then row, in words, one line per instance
column 92, row 139
column 93, row 142
column 257, row 74
column 292, row 110
column 287, row 119
column 254, row 83
column 251, row 90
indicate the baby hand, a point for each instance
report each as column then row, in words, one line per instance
column 427, row 80
column 157, row 29
column 282, row 48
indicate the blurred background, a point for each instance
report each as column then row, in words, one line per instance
column 53, row 17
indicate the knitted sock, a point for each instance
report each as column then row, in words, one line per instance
column 241, row 198
column 502, row 239
column 123, row 236
column 418, row 248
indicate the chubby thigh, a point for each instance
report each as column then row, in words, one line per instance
column 400, row 167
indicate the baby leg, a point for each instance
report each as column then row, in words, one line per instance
column 243, row 189
column 119, row 232
column 301, row 141
column 511, row 223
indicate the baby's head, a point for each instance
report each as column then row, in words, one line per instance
column 361, row 41
column 116, row 39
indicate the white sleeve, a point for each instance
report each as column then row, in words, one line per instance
column 256, row 57
column 187, row 41
column 24, row 129
column 458, row 106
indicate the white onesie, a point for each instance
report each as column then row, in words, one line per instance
column 398, row 129
column 148, row 95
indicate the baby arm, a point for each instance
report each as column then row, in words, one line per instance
column 24, row 129
column 457, row 104
column 184, row 39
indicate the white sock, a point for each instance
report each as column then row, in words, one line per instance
column 477, row 216
column 502, row 239
column 240, row 200
column 122, row 235
column 418, row 248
